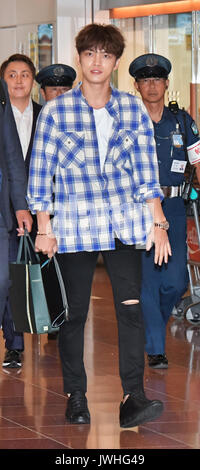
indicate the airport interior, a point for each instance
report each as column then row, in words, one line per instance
column 32, row 401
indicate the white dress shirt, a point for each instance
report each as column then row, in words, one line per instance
column 24, row 123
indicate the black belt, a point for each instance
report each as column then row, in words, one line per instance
column 171, row 191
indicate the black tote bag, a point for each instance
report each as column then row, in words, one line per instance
column 37, row 294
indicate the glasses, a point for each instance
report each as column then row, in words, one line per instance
column 155, row 81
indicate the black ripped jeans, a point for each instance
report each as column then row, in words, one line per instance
column 124, row 269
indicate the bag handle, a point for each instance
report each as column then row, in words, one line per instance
column 19, row 253
column 62, row 286
column 63, row 292
column 26, row 242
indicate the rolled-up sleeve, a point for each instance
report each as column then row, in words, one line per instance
column 42, row 164
column 146, row 173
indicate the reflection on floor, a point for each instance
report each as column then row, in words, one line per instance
column 32, row 402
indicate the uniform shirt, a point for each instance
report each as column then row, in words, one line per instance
column 24, row 123
column 171, row 148
column 92, row 205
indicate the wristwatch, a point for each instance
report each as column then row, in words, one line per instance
column 164, row 225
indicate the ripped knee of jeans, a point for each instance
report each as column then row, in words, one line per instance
column 130, row 302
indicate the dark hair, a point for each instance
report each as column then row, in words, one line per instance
column 17, row 58
column 107, row 37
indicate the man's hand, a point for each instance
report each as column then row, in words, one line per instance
column 159, row 237
column 24, row 220
column 47, row 244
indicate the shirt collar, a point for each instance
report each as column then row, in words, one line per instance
column 111, row 106
column 27, row 110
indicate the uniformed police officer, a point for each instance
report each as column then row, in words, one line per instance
column 177, row 139
column 55, row 80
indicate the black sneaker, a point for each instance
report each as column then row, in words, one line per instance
column 77, row 410
column 12, row 359
column 137, row 409
column 158, row 361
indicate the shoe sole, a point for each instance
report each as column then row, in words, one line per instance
column 78, row 421
column 159, row 366
column 11, row 365
column 149, row 414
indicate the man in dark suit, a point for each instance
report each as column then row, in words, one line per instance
column 18, row 71
column 13, row 183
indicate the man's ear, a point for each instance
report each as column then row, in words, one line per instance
column 116, row 64
column 136, row 85
column 43, row 93
column 77, row 59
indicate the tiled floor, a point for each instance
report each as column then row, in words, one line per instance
column 32, row 403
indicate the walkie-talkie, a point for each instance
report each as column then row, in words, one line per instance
column 173, row 107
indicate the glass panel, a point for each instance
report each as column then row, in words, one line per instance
column 173, row 39
column 42, row 53
column 136, row 33
column 177, row 37
column 198, row 68
column 45, row 45
column 36, row 41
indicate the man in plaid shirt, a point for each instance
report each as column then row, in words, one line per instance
column 94, row 167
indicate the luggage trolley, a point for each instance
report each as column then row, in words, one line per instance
column 189, row 306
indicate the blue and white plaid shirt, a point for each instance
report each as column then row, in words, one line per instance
column 92, row 207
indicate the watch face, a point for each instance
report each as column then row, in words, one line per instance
column 163, row 225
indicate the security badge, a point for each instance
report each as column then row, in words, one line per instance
column 151, row 61
column 178, row 166
column 58, row 71
column 177, row 138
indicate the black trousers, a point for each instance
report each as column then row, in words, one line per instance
column 124, row 269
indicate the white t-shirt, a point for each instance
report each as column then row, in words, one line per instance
column 104, row 123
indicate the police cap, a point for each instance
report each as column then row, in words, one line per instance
column 56, row 75
column 150, row 65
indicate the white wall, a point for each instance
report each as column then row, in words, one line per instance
column 15, row 12
column 35, row 11
column 8, row 13
column 71, row 17
column 19, row 19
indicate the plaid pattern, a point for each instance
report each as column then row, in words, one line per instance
column 91, row 207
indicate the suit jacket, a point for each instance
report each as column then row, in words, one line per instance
column 36, row 109
column 13, row 175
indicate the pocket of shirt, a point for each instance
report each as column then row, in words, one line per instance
column 71, row 150
column 123, row 149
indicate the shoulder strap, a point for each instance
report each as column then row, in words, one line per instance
column 174, row 108
column 2, row 95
